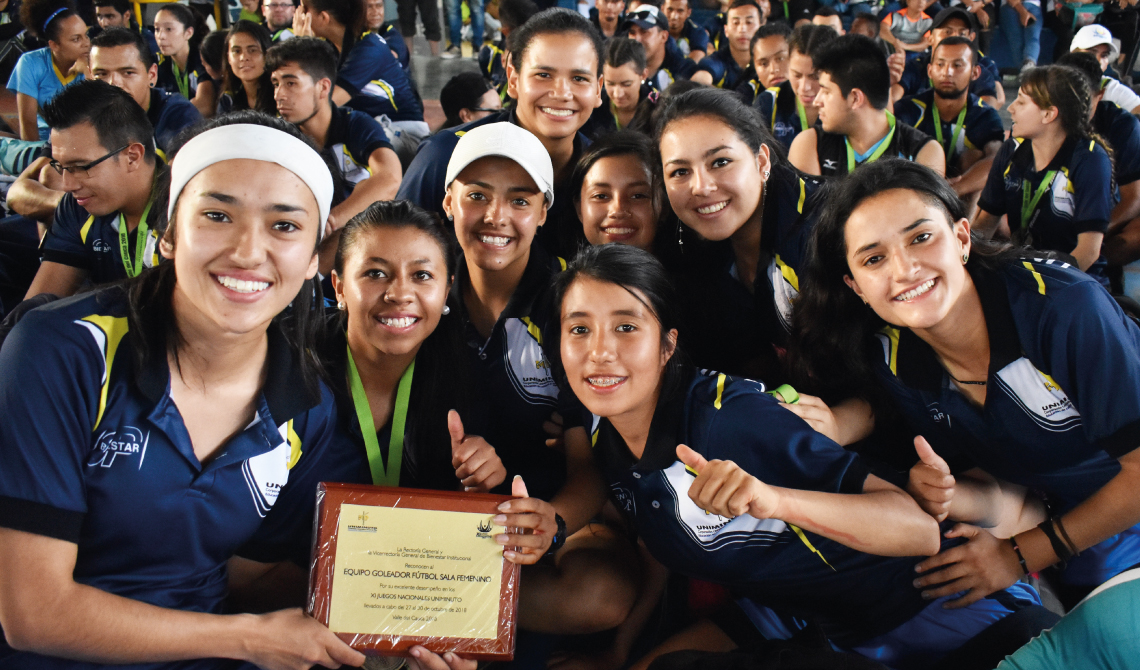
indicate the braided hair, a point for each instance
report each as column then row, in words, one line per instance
column 1067, row 89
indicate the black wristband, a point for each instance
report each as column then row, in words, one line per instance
column 559, row 536
column 1059, row 547
column 1020, row 558
column 1065, row 536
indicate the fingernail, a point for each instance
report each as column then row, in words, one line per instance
column 918, row 568
column 916, row 584
column 926, row 596
column 416, row 653
column 509, row 554
column 518, row 477
column 501, row 539
column 499, row 519
column 505, row 507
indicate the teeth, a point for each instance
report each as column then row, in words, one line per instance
column 712, row 209
column 620, row 231
column 605, row 381
column 914, row 293
column 401, row 322
column 558, row 112
column 241, row 285
column 495, row 240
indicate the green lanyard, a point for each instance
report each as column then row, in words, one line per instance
column 957, row 130
column 613, row 111
column 1027, row 205
column 886, row 141
column 134, row 269
column 802, row 113
column 786, row 14
column 380, row 476
column 183, row 80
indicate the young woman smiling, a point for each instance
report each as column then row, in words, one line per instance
column 722, row 484
column 615, row 194
column 1012, row 367
column 245, row 81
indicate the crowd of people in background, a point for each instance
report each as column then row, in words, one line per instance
column 716, row 295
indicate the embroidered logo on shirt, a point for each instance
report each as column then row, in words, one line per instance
column 266, row 475
column 119, row 445
column 526, row 364
column 712, row 531
column 829, row 164
column 101, row 247
column 1041, row 397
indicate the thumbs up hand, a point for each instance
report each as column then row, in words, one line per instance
column 476, row 464
column 724, row 488
column 931, row 484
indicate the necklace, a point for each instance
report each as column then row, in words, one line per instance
column 981, row 383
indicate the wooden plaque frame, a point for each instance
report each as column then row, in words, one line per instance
column 331, row 496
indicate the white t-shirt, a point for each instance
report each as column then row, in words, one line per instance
column 1123, row 96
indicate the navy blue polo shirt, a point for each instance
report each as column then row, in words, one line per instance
column 981, row 125
column 396, row 43
column 1080, row 199
column 514, row 388
column 715, row 29
column 376, row 81
column 424, row 185
column 1122, row 130
column 492, row 66
column 351, row 138
column 91, row 243
column 101, row 458
column 729, row 326
column 723, row 68
column 916, row 79
column 675, row 66
column 169, row 114
column 195, row 72
column 778, row 107
column 693, row 38
column 1063, row 400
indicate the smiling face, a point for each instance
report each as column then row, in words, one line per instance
column 557, row 87
column 612, row 349
column 121, row 66
column 394, row 288
column 244, row 242
column 623, row 85
column 653, row 39
column 616, row 203
column 907, row 263
column 71, row 44
column 497, row 208
column 804, row 78
column 677, row 11
column 100, row 192
column 172, row 37
column 740, row 25
column 770, row 59
column 246, row 58
column 713, row 179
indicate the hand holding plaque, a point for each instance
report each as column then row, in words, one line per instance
column 532, row 519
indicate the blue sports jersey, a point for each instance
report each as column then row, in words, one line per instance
column 1122, row 131
column 780, row 110
column 350, row 140
column 376, row 81
column 1079, row 200
column 726, row 73
column 492, row 66
column 395, row 40
column 981, row 125
column 91, row 243
column 187, row 84
column 1063, row 400
column 693, row 38
column 855, row 597
column 715, row 30
column 915, row 78
column 36, row 76
column 169, row 114
column 424, row 185
column 674, row 67
column 101, row 458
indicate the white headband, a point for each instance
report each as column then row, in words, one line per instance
column 262, row 143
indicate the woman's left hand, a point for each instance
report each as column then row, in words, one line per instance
column 302, row 23
column 981, row 566
column 532, row 522
column 477, row 465
column 724, row 488
column 422, row 659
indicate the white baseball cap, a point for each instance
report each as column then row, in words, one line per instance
column 508, row 141
column 1093, row 35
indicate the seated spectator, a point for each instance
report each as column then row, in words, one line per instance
column 369, row 78
column 953, row 22
column 725, row 68
column 827, row 16
column 302, row 71
column 512, row 14
column 770, row 54
column 625, row 95
column 1097, row 40
column 180, row 67
column 245, row 81
column 212, row 51
column 1021, row 22
column 467, row 97
column 42, row 73
column 279, row 19
column 855, row 126
column 788, row 108
column 692, row 40
column 666, row 63
column 970, row 133
column 120, row 14
column 121, row 58
column 867, row 25
column 104, row 230
column 374, row 22
column 608, row 17
column 1118, row 18
column 906, row 28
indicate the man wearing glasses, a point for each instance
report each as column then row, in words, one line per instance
column 279, row 18
column 102, row 148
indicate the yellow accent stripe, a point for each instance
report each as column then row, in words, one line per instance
column 788, row 273
column 1037, row 276
column 594, row 439
column 533, row 329
column 294, row 445
column 114, row 328
column 692, row 472
column 803, row 196
column 86, row 228
column 161, row 154
column 562, row 263
column 893, row 335
column 719, row 390
column 803, row 538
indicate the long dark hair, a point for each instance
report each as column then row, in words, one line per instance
column 638, row 272
column 830, row 352
column 348, row 13
column 151, row 309
column 234, row 86
column 1066, row 88
column 42, row 18
column 441, row 381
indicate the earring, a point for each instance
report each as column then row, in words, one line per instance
column 965, row 257
column 446, row 310
column 680, row 237
column 340, row 306
column 765, row 174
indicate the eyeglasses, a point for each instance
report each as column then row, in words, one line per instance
column 278, row 5
column 80, row 171
column 484, row 109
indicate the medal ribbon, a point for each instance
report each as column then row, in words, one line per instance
column 380, row 475
column 133, row 269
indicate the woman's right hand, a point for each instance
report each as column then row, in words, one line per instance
column 302, row 23
column 422, row 659
column 817, row 415
column 930, row 483
column 292, row 640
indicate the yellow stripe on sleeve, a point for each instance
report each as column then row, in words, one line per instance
column 719, row 389
column 1037, row 276
column 803, row 538
column 294, row 445
column 114, row 328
